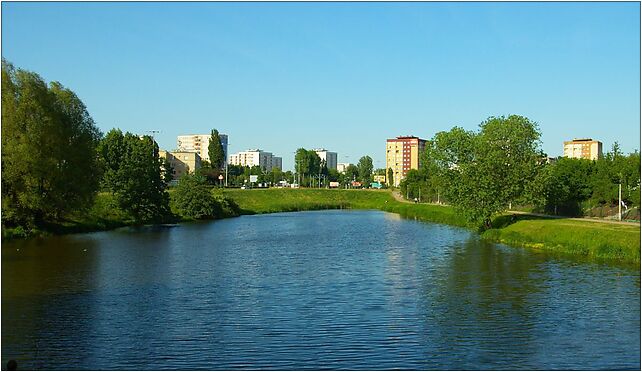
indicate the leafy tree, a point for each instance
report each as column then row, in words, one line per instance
column 365, row 169
column 391, row 178
column 351, row 173
column 567, row 184
column 307, row 162
column 275, row 176
column 168, row 171
column 610, row 171
column 333, row 175
column 192, row 199
column 485, row 171
column 301, row 163
column 133, row 175
column 49, row 165
column 215, row 151
column 210, row 174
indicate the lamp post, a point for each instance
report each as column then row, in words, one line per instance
column 226, row 161
column 619, row 204
column 153, row 132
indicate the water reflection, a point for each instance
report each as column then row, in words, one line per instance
column 313, row 290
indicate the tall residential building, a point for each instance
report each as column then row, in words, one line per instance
column 277, row 162
column 341, row 167
column 250, row 158
column 329, row 157
column 199, row 143
column 403, row 154
column 583, row 148
column 181, row 162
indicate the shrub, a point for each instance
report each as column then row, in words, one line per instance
column 192, row 199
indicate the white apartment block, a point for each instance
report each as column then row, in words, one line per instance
column 253, row 157
column 341, row 167
column 329, row 157
column 199, row 143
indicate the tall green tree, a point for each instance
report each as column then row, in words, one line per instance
column 391, row 178
column 351, row 173
column 365, row 169
column 567, row 185
column 133, row 174
column 486, row 171
column 215, row 151
column 49, row 163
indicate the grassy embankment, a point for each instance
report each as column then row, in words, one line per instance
column 619, row 243
column 103, row 215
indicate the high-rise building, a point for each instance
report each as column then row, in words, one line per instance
column 583, row 148
column 200, row 143
column 329, row 157
column 253, row 157
column 403, row 154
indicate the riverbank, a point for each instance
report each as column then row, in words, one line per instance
column 594, row 240
column 618, row 243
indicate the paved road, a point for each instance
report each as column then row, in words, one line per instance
column 398, row 197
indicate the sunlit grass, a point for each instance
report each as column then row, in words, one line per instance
column 589, row 239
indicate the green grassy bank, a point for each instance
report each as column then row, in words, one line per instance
column 103, row 215
column 602, row 241
column 618, row 243
column 290, row 200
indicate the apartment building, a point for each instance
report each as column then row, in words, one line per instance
column 341, row 167
column 583, row 148
column 266, row 160
column 182, row 162
column 329, row 157
column 199, row 143
column 403, row 154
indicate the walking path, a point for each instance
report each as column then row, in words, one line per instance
column 398, row 197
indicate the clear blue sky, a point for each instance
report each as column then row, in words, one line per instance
column 344, row 76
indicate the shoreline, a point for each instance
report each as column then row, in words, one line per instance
column 618, row 243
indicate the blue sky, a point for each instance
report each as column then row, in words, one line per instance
column 344, row 76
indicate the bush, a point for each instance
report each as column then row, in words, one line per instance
column 192, row 199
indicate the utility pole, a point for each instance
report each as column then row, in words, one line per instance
column 153, row 132
column 225, row 172
column 619, row 205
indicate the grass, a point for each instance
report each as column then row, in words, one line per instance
column 617, row 243
column 588, row 239
column 290, row 200
column 103, row 215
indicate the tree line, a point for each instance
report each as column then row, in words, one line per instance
column 55, row 161
column 502, row 165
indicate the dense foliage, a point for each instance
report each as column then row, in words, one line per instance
column 192, row 199
column 484, row 173
column 571, row 185
column 133, row 174
column 480, row 173
column 215, row 151
column 49, row 164
column 365, row 169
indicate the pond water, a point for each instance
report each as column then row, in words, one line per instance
column 311, row 290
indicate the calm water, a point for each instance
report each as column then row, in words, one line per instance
column 311, row 290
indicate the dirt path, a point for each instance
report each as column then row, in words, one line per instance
column 577, row 218
column 399, row 198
